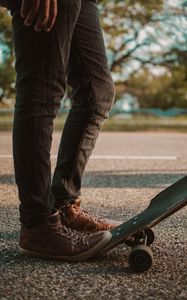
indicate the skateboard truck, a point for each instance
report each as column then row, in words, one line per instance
column 141, row 256
column 143, row 237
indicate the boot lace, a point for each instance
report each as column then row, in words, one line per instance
column 70, row 234
column 90, row 217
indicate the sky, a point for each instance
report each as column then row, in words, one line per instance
column 0, row 55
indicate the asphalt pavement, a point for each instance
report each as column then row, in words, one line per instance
column 124, row 173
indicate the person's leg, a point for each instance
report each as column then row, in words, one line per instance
column 41, row 60
column 92, row 97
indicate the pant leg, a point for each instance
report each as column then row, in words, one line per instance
column 92, row 98
column 41, row 63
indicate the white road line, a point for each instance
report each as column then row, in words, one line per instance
column 5, row 156
column 133, row 157
column 115, row 157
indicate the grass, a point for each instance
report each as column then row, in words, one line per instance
column 136, row 123
column 146, row 123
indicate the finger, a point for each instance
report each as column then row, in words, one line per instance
column 32, row 13
column 43, row 15
column 52, row 15
column 25, row 7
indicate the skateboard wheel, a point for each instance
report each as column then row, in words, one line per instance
column 140, row 258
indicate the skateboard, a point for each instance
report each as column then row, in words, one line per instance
column 137, row 233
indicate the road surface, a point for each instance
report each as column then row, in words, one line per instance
column 124, row 173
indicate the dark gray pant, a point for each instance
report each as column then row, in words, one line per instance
column 74, row 52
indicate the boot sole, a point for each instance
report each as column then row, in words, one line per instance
column 83, row 256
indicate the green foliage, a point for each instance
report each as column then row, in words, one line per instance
column 163, row 91
column 123, row 22
column 139, row 35
column 6, row 31
column 7, row 72
column 7, row 79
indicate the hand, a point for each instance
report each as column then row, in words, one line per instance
column 42, row 12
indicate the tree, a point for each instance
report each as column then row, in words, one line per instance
column 7, row 72
column 140, row 32
column 160, row 91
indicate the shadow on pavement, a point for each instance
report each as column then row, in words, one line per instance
column 9, row 235
column 100, row 265
column 7, row 179
column 109, row 270
column 11, row 257
column 119, row 179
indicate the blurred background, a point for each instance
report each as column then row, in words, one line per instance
column 146, row 45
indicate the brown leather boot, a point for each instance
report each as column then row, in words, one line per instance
column 51, row 239
column 76, row 218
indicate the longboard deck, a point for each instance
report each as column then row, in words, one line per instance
column 161, row 206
